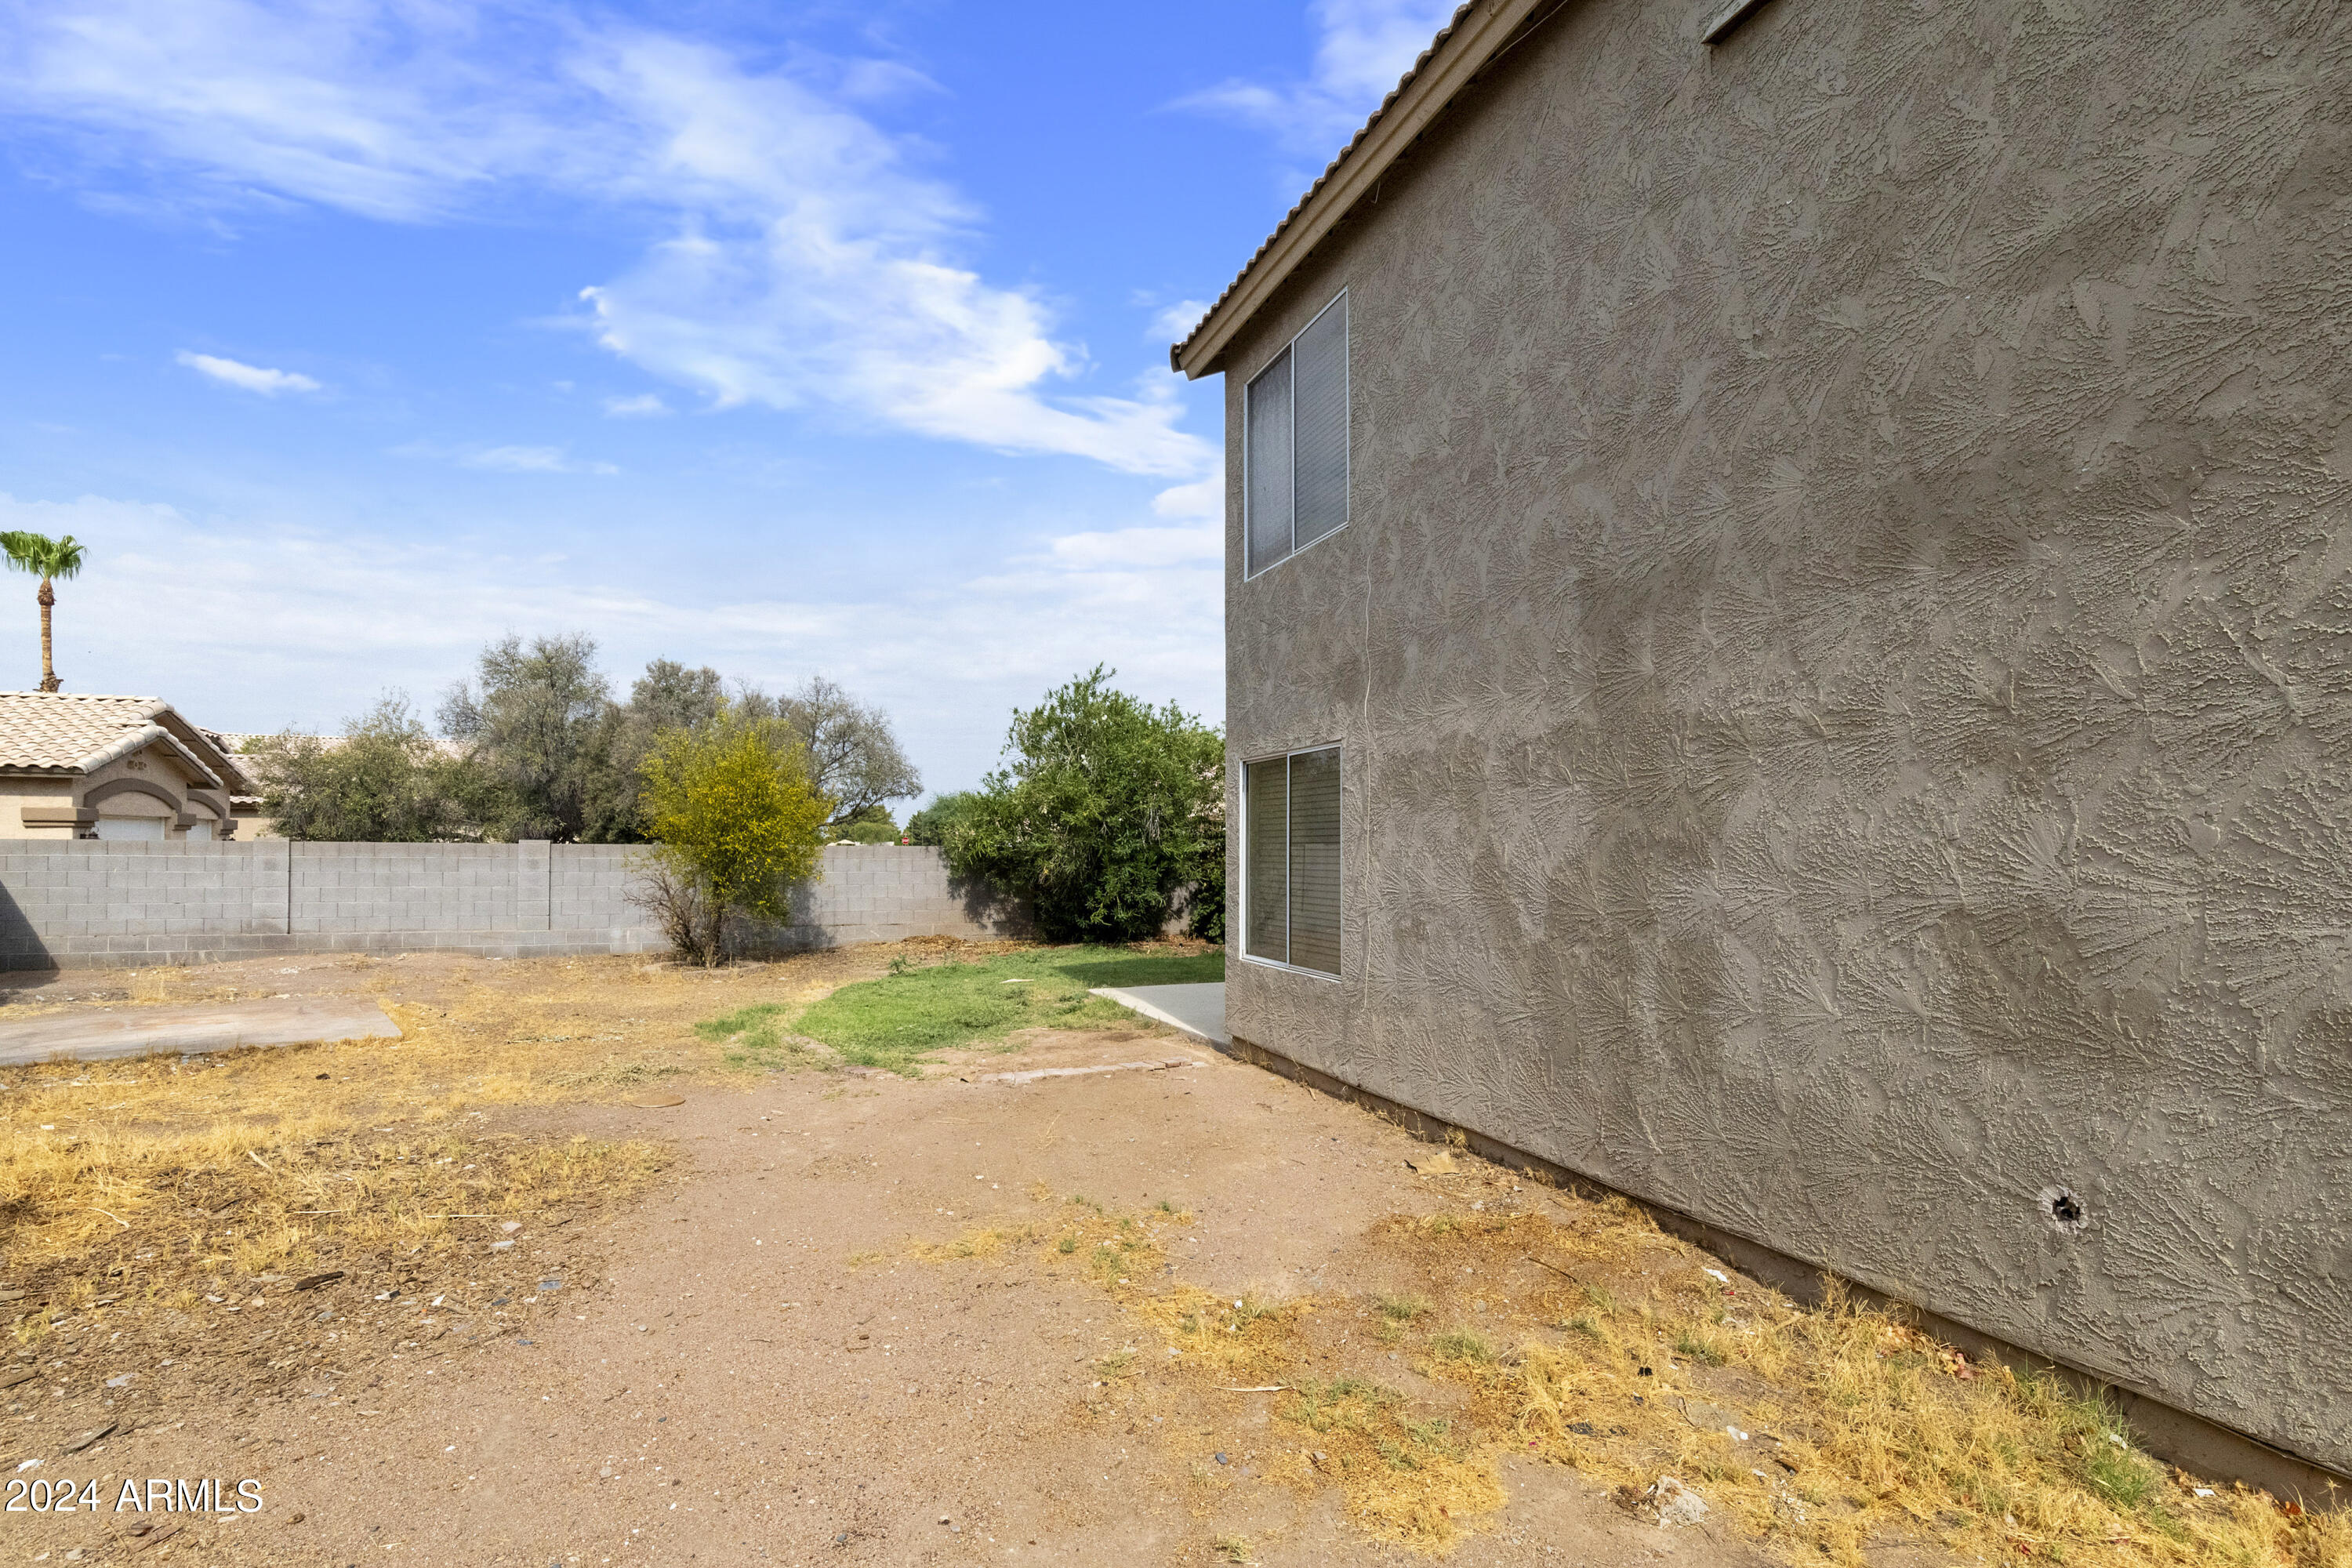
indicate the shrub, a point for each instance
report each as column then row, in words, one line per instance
column 385, row 782
column 735, row 824
column 1203, row 903
column 866, row 824
column 930, row 824
column 1108, row 809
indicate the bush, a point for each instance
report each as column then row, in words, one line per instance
column 1204, row 899
column 866, row 824
column 385, row 782
column 1108, row 810
column 930, row 824
column 735, row 823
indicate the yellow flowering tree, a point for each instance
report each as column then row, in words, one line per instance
column 735, row 824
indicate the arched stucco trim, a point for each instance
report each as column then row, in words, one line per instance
column 113, row 787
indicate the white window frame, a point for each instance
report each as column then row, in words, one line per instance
column 1347, row 445
column 1241, row 943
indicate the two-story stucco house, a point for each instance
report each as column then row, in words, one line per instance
column 76, row 766
column 1789, row 631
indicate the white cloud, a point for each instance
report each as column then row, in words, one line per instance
column 1172, row 323
column 251, row 378
column 1202, row 500
column 801, row 259
column 531, row 460
column 645, row 405
column 1141, row 547
column 949, row 654
column 1364, row 48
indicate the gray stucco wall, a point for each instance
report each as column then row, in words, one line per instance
column 69, row 903
column 1842, row 649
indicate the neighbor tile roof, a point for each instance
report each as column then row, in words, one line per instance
column 74, row 732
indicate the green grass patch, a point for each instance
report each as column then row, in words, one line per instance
column 754, row 1035
column 892, row 1023
column 2118, row 1475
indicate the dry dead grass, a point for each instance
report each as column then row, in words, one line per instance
column 148, row 1185
column 156, row 1180
column 1405, row 1475
column 1628, row 1354
column 1576, row 1333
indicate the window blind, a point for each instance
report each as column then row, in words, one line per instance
column 1319, row 425
column 1271, row 481
column 1268, row 890
column 1295, row 443
column 1315, row 860
column 1291, row 859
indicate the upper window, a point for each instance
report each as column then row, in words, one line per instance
column 1290, row 860
column 1295, row 443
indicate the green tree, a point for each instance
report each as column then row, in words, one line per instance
column 668, row 696
column 730, row 804
column 854, row 755
column 386, row 780
column 1108, row 809
column 47, row 559
column 930, row 824
column 538, row 735
column 866, row 824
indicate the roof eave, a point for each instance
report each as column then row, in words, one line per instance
column 122, row 745
column 1478, row 33
column 199, row 747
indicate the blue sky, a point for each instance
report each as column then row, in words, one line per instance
column 348, row 334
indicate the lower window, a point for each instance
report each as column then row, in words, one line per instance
column 1290, row 859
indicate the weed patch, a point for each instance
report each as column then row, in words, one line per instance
column 1412, row 1480
column 1818, row 1430
column 977, row 1242
column 1580, row 1335
column 1462, row 1344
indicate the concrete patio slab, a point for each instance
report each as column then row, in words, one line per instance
column 95, row 1033
column 1198, row 1010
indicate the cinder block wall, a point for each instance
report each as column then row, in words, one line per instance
column 75, row 904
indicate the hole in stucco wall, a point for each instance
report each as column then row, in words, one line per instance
column 2066, row 1210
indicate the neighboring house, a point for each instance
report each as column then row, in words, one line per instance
column 75, row 766
column 1789, row 609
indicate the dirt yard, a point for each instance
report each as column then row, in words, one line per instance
column 479, row 1299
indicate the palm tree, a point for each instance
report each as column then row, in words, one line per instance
column 45, row 558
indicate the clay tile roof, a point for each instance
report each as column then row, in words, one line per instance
column 74, row 732
column 1404, row 82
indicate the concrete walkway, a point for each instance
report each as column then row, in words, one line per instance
column 90, row 1035
column 1197, row 1010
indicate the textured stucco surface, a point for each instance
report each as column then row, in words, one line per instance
column 1841, row 649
